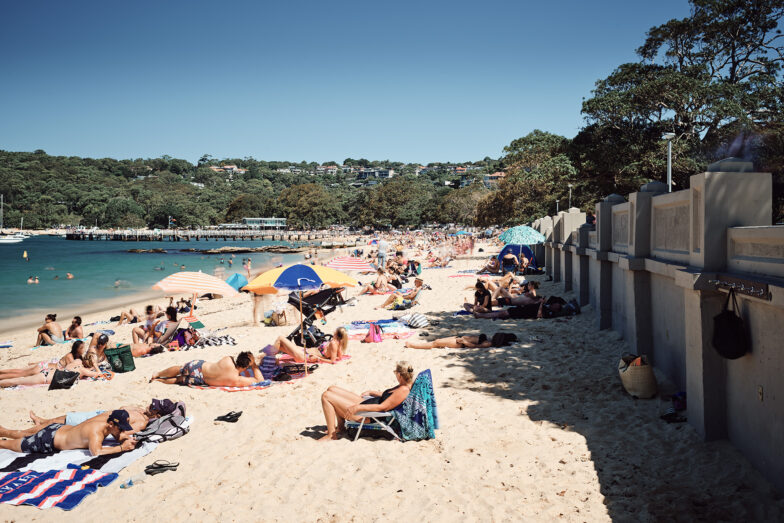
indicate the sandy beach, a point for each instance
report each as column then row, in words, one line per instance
column 541, row 430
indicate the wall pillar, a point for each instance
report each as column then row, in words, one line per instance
column 604, row 246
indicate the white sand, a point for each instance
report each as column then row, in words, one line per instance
column 537, row 431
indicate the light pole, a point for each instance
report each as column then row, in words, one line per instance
column 669, row 137
column 556, row 206
column 570, row 194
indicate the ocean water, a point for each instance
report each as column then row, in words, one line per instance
column 105, row 270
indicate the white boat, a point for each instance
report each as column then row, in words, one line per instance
column 10, row 239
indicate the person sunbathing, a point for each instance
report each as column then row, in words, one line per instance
column 50, row 332
column 503, row 297
column 131, row 316
column 553, row 307
column 88, row 435
column 329, row 351
column 493, row 267
column 380, row 286
column 75, row 331
column 226, row 372
column 404, row 299
column 452, row 342
column 45, row 373
column 138, row 417
column 76, row 353
column 340, row 404
column 143, row 332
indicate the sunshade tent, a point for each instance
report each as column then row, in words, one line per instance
column 237, row 281
column 299, row 278
column 194, row 283
column 522, row 235
column 518, row 250
column 349, row 263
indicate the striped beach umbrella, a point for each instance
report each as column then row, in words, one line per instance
column 349, row 263
column 194, row 283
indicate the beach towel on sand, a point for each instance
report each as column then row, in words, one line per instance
column 391, row 329
column 256, row 386
column 63, row 489
column 11, row 461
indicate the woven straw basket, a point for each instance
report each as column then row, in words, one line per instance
column 639, row 381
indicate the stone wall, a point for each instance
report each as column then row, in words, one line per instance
column 649, row 267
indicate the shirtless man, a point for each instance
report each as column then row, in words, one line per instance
column 75, row 331
column 50, row 332
column 88, row 435
column 138, row 418
column 226, row 372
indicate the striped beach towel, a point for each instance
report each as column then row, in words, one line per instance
column 11, row 461
column 256, row 386
column 64, row 489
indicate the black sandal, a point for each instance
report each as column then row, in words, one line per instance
column 231, row 417
column 160, row 466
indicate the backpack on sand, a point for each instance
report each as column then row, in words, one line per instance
column 374, row 334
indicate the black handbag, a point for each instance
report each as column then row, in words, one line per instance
column 729, row 331
column 63, row 379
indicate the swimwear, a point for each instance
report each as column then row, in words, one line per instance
column 381, row 399
column 191, row 373
column 58, row 339
column 42, row 441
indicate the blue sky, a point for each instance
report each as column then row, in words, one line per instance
column 315, row 81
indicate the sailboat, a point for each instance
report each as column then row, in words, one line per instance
column 5, row 239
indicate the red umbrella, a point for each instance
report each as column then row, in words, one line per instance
column 348, row 263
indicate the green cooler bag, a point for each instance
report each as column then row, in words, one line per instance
column 120, row 358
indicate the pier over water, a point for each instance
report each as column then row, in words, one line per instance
column 175, row 235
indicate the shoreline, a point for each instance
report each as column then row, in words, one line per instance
column 108, row 307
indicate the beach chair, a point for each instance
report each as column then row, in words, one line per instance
column 416, row 418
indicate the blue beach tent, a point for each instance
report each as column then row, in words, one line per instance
column 237, row 280
column 517, row 250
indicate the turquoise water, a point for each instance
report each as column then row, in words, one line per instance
column 98, row 265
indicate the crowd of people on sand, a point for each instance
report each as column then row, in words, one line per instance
column 501, row 291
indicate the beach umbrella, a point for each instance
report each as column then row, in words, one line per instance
column 194, row 283
column 349, row 263
column 373, row 242
column 462, row 233
column 237, row 280
column 299, row 278
column 522, row 235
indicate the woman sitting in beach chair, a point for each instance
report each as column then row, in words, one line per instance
column 406, row 300
column 340, row 404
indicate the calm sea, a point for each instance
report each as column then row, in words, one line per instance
column 105, row 269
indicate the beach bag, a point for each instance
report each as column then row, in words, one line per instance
column 502, row 339
column 374, row 334
column 729, row 331
column 637, row 376
column 121, row 359
column 415, row 321
column 63, row 379
column 165, row 428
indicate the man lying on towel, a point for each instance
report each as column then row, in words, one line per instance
column 226, row 372
column 87, row 435
column 138, row 417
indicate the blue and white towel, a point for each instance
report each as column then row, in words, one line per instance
column 64, row 489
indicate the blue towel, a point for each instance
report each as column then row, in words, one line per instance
column 417, row 416
column 63, row 489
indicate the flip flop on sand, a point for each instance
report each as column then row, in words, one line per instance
column 231, row 417
column 160, row 466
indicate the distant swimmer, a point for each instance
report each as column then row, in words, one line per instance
column 182, row 267
column 56, row 277
column 231, row 262
column 30, row 280
column 69, row 276
column 35, row 280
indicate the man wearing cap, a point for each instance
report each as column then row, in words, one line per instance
column 98, row 347
column 87, row 435
column 139, row 418
column 401, row 298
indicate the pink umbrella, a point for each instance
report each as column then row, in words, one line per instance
column 348, row 263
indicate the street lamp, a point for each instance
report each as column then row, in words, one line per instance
column 669, row 137
column 570, row 194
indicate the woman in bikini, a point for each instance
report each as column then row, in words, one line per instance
column 77, row 351
column 50, row 332
column 46, row 373
column 340, row 404
column 380, row 286
column 328, row 352
column 453, row 342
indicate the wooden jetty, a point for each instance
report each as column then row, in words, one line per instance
column 175, row 235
